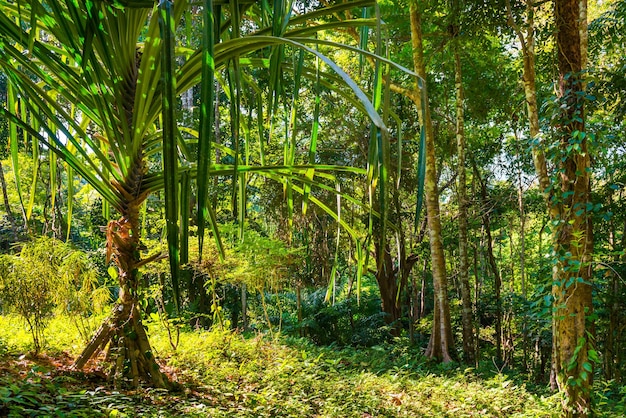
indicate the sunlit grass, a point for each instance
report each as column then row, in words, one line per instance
column 62, row 334
column 224, row 374
column 260, row 377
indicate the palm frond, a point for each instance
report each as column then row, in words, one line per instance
column 170, row 140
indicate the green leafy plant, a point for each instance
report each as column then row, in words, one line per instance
column 30, row 284
column 46, row 275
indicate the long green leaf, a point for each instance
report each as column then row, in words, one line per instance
column 206, row 119
column 53, row 143
column 12, row 103
column 313, row 140
column 421, row 174
column 70, row 201
column 170, row 155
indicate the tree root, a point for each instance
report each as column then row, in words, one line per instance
column 129, row 351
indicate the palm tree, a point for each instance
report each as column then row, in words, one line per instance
column 96, row 84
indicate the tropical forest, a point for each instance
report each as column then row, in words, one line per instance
column 312, row 208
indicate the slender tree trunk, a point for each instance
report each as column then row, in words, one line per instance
column 493, row 265
column 468, row 329
column 527, row 42
column 522, row 263
column 477, row 297
column 613, row 310
column 441, row 344
column 299, row 308
column 422, row 307
column 573, row 237
column 522, row 233
column 244, row 305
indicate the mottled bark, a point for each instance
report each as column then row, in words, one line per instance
column 573, row 237
column 440, row 345
column 527, row 42
column 468, row 328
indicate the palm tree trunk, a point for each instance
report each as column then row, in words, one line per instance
column 441, row 344
column 128, row 346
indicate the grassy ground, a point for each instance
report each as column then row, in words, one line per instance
column 222, row 374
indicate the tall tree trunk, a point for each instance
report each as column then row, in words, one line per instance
column 573, row 237
column 493, row 265
column 522, row 230
column 441, row 344
column 527, row 42
column 522, row 263
column 613, row 305
column 572, row 300
column 468, row 329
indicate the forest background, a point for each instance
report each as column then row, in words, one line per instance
column 462, row 205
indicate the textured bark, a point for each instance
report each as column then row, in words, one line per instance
column 129, row 351
column 468, row 328
column 392, row 278
column 388, row 286
column 573, row 238
column 132, row 360
column 440, row 345
column 527, row 42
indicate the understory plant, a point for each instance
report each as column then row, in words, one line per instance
column 49, row 275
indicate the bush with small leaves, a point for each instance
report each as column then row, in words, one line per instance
column 47, row 275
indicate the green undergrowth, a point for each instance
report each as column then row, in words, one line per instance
column 225, row 374
column 256, row 377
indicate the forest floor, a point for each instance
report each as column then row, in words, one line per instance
column 224, row 374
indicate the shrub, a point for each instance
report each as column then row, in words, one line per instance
column 48, row 274
column 348, row 322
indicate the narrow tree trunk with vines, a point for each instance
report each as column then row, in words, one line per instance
column 493, row 265
column 573, row 235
